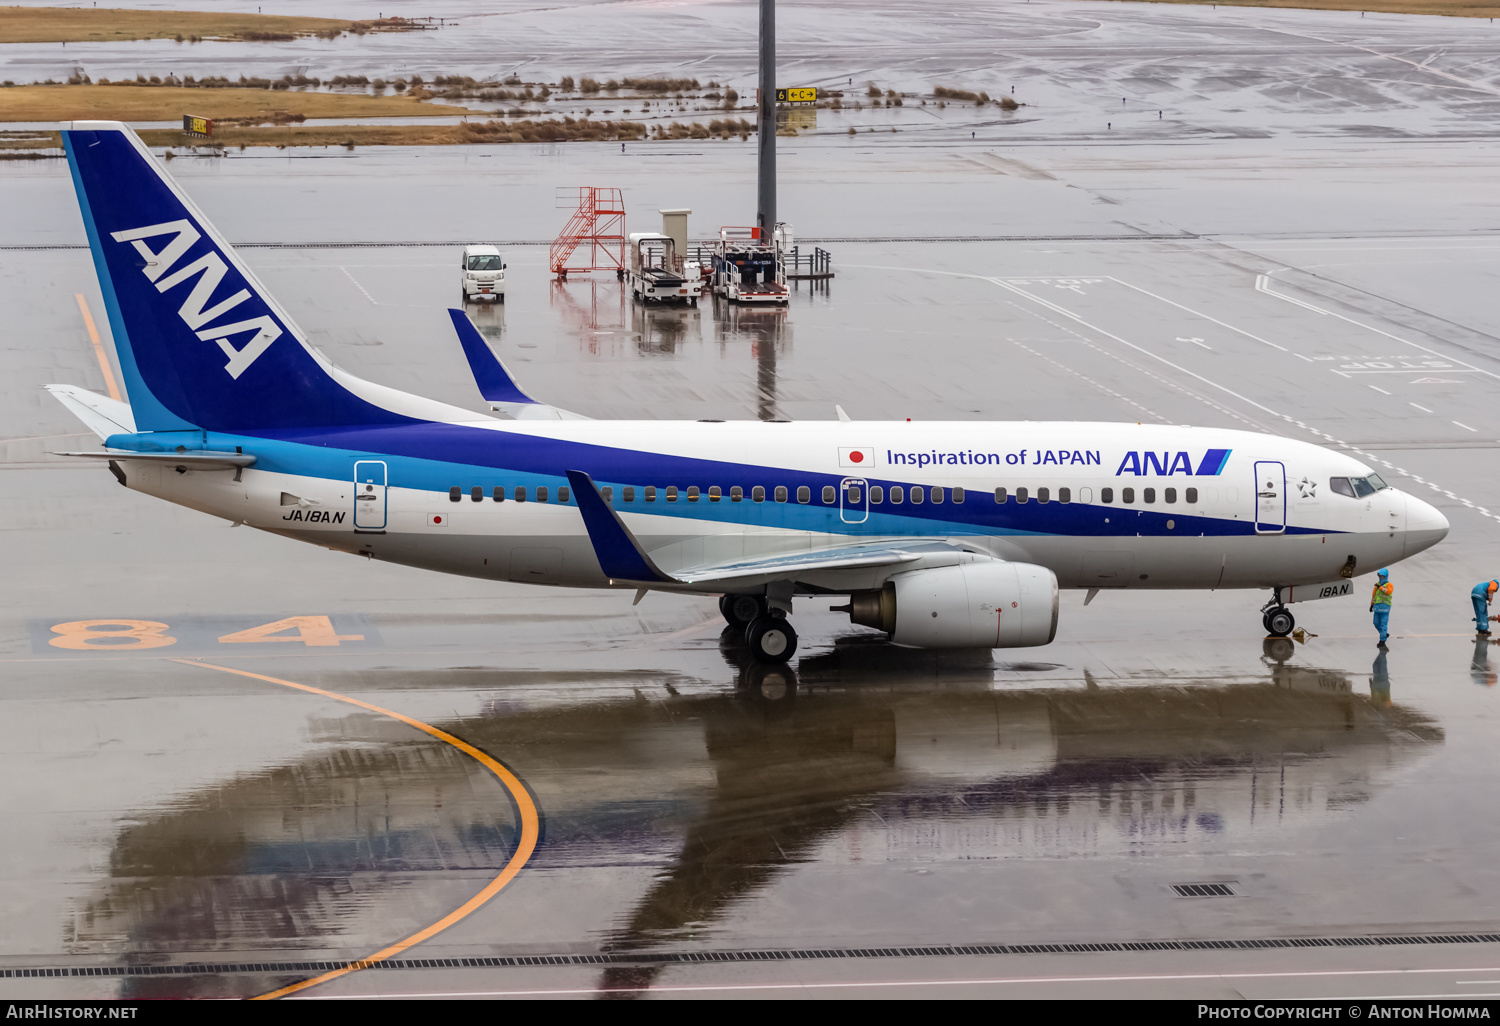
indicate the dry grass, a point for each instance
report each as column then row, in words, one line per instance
column 83, row 24
column 1447, row 8
column 564, row 130
column 165, row 103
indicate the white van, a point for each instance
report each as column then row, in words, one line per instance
column 482, row 274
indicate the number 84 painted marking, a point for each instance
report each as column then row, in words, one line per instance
column 95, row 635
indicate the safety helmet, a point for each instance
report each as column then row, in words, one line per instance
column 1384, row 573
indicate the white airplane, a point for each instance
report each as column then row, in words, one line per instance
column 942, row 534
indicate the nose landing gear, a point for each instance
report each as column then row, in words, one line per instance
column 1277, row 618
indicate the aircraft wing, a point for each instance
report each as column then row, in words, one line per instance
column 496, row 384
column 622, row 558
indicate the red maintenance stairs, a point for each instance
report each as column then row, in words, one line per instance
column 594, row 237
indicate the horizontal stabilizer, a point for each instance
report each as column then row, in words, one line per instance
column 496, row 384
column 197, row 460
column 100, row 414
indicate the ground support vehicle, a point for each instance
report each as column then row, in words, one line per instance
column 482, row 274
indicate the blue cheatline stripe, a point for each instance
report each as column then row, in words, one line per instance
column 150, row 414
column 435, row 457
column 1213, row 462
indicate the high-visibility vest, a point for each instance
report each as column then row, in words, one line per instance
column 1486, row 589
column 1381, row 596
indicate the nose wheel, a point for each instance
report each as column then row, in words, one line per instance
column 1279, row 621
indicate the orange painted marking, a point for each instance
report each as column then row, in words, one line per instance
column 530, row 830
column 104, row 367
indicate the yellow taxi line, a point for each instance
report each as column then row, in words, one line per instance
column 530, row 829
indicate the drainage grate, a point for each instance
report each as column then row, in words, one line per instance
column 764, row 955
column 1205, row 890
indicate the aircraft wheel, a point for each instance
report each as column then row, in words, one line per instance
column 771, row 639
column 1279, row 622
column 740, row 610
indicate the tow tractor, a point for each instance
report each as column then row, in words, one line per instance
column 750, row 268
column 659, row 274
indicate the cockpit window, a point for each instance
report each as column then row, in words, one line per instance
column 484, row 263
column 1362, row 487
column 1377, row 482
column 1341, row 486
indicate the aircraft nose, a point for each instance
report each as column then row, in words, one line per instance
column 1425, row 525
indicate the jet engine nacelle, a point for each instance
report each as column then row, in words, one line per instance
column 974, row 605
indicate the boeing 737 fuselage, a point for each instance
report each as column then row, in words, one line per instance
column 941, row 534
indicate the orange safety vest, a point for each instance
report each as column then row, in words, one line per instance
column 1381, row 596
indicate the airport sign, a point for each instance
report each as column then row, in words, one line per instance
column 197, row 126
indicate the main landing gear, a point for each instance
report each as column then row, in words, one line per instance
column 769, row 636
column 1277, row 618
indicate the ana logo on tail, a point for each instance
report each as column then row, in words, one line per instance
column 195, row 311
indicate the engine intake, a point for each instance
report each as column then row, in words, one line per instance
column 975, row 605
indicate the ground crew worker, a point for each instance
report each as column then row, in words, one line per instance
column 1482, row 594
column 1380, row 604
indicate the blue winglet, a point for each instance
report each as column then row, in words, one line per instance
column 620, row 555
column 494, row 381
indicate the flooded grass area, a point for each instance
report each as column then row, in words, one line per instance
column 77, row 24
column 168, row 103
column 1447, row 8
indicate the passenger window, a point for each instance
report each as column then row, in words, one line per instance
column 877, row 495
column 1106, row 495
column 1043, row 495
column 714, row 495
column 692, row 495
column 736, row 493
column 541, row 493
column 476, row 494
column 1148, row 495
column 916, row 495
column 1085, row 495
column 562, row 494
column 1023, row 495
column 455, row 494
column 855, row 496
column 1064, row 495
column 671, row 493
column 758, row 493
column 1127, row 495
column 958, row 495
column 1171, row 496
column 830, row 495
column 651, row 493
column 780, row 493
column 1192, row 496
column 1000, row 496
column 628, row 494
column 1341, row 486
column 804, row 493
column 498, row 494
column 935, row 494
column 898, row 495
column 1362, row 487
column 520, row 493
column 606, row 491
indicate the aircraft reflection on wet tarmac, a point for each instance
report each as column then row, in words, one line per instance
column 725, row 790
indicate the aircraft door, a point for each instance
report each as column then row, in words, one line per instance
column 854, row 501
column 369, row 495
column 1270, row 498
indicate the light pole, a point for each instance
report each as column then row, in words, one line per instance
column 765, row 217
